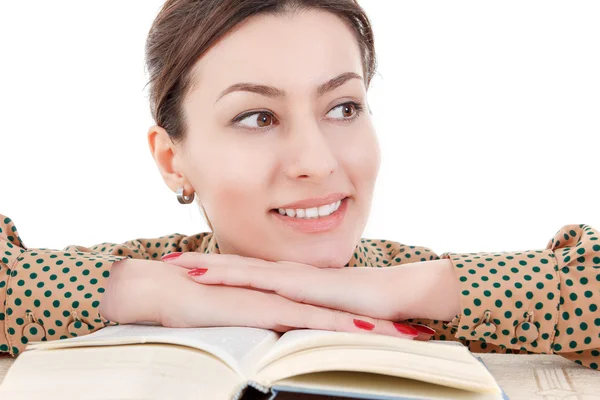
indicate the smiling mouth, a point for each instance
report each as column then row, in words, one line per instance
column 312, row 212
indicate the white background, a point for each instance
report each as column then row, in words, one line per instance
column 487, row 114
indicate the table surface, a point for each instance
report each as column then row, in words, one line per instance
column 521, row 376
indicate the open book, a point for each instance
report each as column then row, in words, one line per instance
column 141, row 361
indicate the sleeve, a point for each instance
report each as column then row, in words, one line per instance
column 542, row 301
column 50, row 294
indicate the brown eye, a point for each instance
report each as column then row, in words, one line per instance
column 255, row 120
column 263, row 119
column 347, row 110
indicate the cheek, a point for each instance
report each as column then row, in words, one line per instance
column 236, row 197
column 362, row 158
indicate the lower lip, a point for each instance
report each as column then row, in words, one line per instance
column 313, row 225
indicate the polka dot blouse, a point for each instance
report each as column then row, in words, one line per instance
column 535, row 301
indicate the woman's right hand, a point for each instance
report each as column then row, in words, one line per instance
column 154, row 291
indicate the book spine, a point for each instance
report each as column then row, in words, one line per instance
column 252, row 390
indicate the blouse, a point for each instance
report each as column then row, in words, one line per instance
column 536, row 301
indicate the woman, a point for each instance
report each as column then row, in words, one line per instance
column 276, row 144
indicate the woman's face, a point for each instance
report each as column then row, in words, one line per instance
column 249, row 152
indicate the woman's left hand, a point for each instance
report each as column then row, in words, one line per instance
column 373, row 292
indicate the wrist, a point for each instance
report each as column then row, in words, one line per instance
column 435, row 290
column 131, row 294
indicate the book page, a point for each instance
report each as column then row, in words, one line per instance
column 313, row 351
column 231, row 344
column 303, row 339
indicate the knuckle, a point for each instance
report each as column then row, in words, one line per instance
column 340, row 319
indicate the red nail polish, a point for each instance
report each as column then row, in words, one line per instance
column 171, row 256
column 424, row 329
column 406, row 329
column 364, row 324
column 197, row 271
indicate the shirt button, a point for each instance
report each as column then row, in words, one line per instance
column 77, row 328
column 34, row 332
column 526, row 332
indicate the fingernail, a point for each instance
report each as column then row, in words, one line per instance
column 424, row 329
column 406, row 329
column 171, row 256
column 197, row 271
column 364, row 324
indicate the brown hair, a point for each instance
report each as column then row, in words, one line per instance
column 185, row 29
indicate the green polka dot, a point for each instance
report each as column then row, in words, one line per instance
column 572, row 344
column 573, row 296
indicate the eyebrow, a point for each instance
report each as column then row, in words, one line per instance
column 270, row 91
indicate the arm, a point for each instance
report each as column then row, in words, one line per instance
column 542, row 301
column 48, row 294
column 433, row 292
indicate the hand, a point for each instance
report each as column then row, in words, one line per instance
column 144, row 290
column 374, row 292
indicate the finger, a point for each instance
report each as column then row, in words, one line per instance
column 313, row 317
column 425, row 332
column 304, row 285
column 192, row 259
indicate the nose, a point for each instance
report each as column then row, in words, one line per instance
column 311, row 155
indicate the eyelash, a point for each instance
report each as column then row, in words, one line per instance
column 358, row 106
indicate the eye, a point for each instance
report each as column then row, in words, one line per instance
column 347, row 111
column 257, row 120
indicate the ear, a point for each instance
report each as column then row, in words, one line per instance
column 167, row 156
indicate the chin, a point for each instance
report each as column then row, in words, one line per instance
column 328, row 258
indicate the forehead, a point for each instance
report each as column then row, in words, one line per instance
column 292, row 52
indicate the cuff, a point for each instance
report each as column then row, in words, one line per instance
column 509, row 299
column 53, row 294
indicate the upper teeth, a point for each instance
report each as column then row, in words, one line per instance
column 314, row 212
